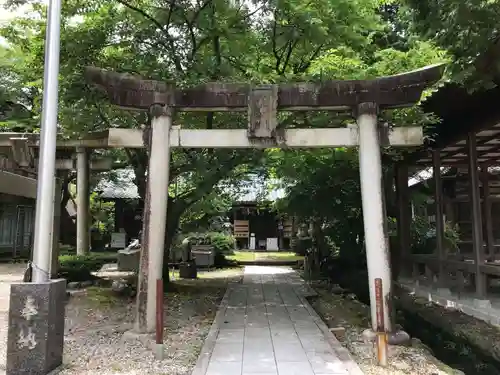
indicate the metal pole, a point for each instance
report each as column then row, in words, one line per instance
column 48, row 138
column 377, row 245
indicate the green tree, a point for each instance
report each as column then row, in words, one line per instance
column 467, row 29
column 190, row 43
column 323, row 185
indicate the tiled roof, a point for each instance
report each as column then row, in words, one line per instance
column 258, row 191
column 121, row 186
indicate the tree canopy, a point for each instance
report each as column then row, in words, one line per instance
column 467, row 29
column 192, row 42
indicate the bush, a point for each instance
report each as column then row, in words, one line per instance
column 80, row 267
column 223, row 243
column 66, row 250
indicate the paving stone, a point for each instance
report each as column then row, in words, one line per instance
column 295, row 368
column 224, row 368
column 314, row 344
column 266, row 329
column 290, row 352
column 326, row 363
column 259, row 366
column 258, row 332
column 228, row 352
column 231, row 336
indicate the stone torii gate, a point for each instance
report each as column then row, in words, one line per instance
column 363, row 97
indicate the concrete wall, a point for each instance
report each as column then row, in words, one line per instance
column 16, row 185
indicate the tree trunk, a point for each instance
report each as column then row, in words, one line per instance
column 68, row 226
column 175, row 208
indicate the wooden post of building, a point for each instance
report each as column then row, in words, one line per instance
column 439, row 213
column 477, row 226
column 488, row 224
column 404, row 218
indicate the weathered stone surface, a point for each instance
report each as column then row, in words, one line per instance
column 262, row 111
column 86, row 284
column 128, row 260
column 388, row 92
column 36, row 327
column 73, row 285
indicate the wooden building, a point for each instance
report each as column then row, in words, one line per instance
column 467, row 144
column 260, row 228
column 17, row 209
column 457, row 205
column 128, row 209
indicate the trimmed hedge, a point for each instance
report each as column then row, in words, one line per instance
column 80, row 267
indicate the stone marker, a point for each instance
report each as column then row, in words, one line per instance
column 36, row 327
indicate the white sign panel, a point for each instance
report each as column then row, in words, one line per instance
column 118, row 240
column 272, row 244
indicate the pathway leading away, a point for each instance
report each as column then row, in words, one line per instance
column 265, row 326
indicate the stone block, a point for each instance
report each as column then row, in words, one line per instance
column 36, row 327
column 482, row 304
column 444, row 292
column 187, row 270
column 128, row 260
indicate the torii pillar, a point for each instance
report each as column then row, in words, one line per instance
column 82, row 201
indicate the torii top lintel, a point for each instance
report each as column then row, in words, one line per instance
column 395, row 91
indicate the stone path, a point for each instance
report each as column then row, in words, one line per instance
column 265, row 326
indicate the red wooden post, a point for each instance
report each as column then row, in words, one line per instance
column 159, row 311
column 381, row 334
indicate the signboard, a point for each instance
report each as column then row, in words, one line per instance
column 118, row 240
column 241, row 229
column 288, row 228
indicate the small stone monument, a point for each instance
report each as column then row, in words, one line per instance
column 187, row 269
column 36, row 327
column 129, row 258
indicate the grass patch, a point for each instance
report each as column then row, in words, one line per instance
column 219, row 273
column 101, row 296
column 206, row 282
column 268, row 256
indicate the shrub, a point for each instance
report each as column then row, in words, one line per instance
column 66, row 250
column 223, row 243
column 80, row 267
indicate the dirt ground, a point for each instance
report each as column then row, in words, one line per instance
column 97, row 320
column 344, row 310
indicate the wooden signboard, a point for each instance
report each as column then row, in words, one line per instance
column 288, row 228
column 241, row 229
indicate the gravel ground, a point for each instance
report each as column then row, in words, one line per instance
column 339, row 310
column 96, row 320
